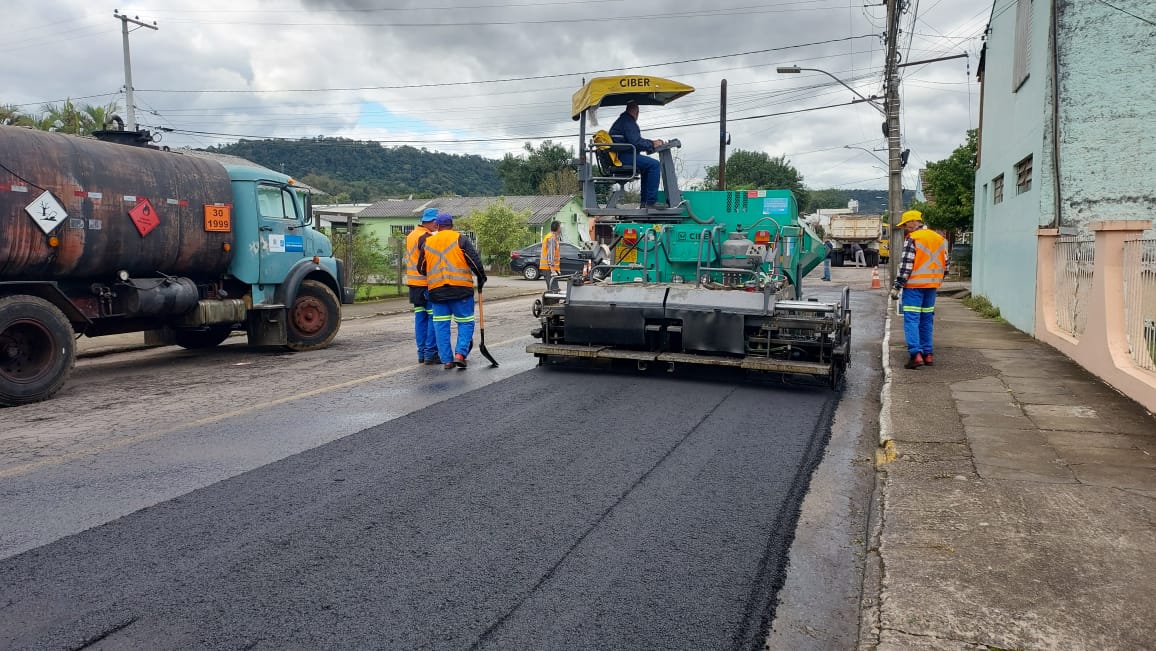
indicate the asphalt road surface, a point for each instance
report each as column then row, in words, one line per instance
column 350, row 499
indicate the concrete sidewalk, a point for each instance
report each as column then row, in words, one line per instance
column 1018, row 504
column 498, row 288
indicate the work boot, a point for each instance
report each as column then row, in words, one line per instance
column 448, row 365
column 915, row 362
column 460, row 361
column 433, row 361
column 927, row 361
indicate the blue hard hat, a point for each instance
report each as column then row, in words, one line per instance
column 429, row 215
column 445, row 219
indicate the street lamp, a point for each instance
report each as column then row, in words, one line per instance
column 785, row 70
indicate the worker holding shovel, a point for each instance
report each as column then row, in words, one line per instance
column 449, row 263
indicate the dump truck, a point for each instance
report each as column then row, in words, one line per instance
column 100, row 238
column 704, row 278
column 864, row 230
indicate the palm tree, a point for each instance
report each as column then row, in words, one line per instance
column 11, row 114
column 97, row 117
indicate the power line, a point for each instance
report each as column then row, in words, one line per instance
column 698, row 13
column 1140, row 18
column 509, row 79
column 509, row 138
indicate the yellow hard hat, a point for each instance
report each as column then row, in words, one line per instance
column 910, row 216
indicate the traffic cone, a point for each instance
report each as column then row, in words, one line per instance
column 875, row 278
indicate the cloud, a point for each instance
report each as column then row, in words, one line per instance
column 437, row 72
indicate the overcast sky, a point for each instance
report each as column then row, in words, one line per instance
column 441, row 74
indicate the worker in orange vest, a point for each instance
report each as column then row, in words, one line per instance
column 550, row 262
column 423, row 327
column 920, row 274
column 450, row 262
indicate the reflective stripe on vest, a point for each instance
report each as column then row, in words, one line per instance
column 930, row 259
column 551, row 254
column 445, row 262
column 413, row 278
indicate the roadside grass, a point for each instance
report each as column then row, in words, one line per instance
column 378, row 292
column 984, row 307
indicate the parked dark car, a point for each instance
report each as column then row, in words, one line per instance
column 525, row 261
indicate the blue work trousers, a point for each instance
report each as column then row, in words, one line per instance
column 460, row 312
column 423, row 325
column 827, row 268
column 918, row 319
column 650, row 169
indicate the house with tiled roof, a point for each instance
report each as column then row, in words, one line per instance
column 393, row 218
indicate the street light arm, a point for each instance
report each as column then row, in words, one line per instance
column 796, row 69
column 866, row 150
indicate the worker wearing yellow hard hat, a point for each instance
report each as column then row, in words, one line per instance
column 920, row 274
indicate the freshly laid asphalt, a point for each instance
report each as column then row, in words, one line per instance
column 1015, row 510
column 534, row 522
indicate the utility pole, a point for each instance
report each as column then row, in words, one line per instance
column 891, row 126
column 124, row 21
column 723, row 140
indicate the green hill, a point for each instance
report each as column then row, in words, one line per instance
column 362, row 171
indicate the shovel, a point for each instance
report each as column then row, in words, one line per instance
column 482, row 330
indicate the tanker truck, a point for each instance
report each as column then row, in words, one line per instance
column 100, row 238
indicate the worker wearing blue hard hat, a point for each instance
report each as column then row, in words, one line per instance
column 423, row 326
column 450, row 262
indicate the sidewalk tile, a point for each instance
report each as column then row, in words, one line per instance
column 1072, row 418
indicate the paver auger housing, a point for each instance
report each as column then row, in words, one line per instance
column 713, row 279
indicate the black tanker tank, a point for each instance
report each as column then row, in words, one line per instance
column 110, row 207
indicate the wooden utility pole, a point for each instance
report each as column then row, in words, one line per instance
column 891, row 127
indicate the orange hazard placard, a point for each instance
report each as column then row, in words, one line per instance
column 218, row 219
column 144, row 216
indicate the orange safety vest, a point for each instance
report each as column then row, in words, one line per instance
column 445, row 262
column 551, row 258
column 413, row 277
column 930, row 259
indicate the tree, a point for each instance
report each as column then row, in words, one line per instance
column 950, row 188
column 368, row 259
column 757, row 170
column 537, row 170
column 828, row 198
column 499, row 229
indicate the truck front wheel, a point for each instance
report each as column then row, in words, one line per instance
column 314, row 317
column 37, row 350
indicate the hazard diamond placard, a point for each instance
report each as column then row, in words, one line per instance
column 144, row 216
column 47, row 212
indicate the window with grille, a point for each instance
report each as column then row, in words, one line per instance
column 399, row 231
column 1022, row 58
column 1024, row 175
column 997, row 189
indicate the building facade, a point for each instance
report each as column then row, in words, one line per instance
column 1066, row 136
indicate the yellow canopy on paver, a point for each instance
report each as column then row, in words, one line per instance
column 623, row 89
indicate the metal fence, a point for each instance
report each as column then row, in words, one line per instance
column 1075, row 260
column 1140, row 301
